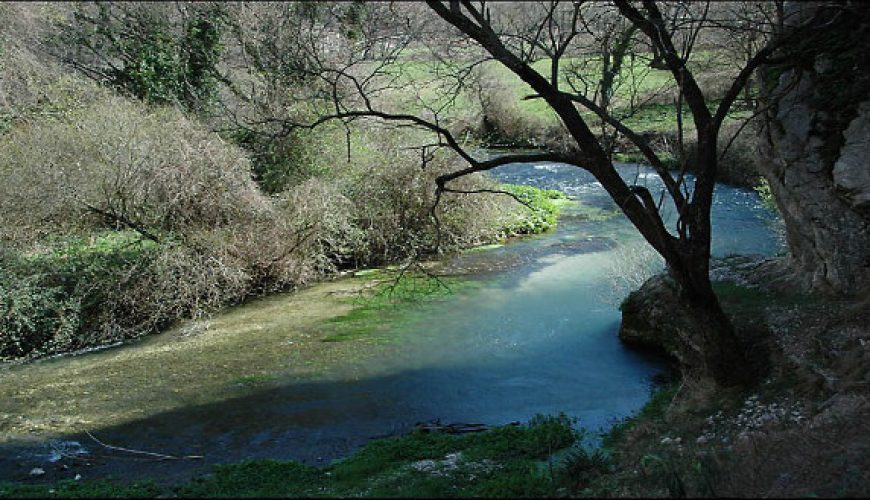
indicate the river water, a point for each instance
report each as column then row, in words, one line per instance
column 537, row 334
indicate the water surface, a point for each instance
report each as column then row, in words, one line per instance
column 536, row 334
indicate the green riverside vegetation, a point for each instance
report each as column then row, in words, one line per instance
column 508, row 461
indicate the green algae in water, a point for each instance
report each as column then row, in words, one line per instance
column 269, row 341
column 380, row 314
column 250, row 380
column 483, row 248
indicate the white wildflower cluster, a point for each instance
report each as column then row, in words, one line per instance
column 452, row 463
column 753, row 418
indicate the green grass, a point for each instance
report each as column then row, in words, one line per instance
column 509, row 461
column 544, row 208
column 653, row 410
column 423, row 84
column 80, row 489
column 63, row 250
column 257, row 479
column 751, row 301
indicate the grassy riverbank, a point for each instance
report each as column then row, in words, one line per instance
column 66, row 289
column 504, row 462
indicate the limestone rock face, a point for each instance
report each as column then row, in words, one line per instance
column 815, row 154
column 852, row 168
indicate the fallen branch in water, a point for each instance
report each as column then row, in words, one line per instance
column 139, row 452
column 437, row 426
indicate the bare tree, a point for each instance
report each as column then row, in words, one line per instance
column 671, row 31
column 357, row 78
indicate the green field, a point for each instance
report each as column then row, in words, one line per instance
column 643, row 97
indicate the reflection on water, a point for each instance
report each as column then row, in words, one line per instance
column 537, row 336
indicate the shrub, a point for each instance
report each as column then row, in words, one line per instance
column 34, row 316
column 541, row 212
column 504, row 122
column 283, row 162
column 110, row 163
column 123, row 218
column 50, row 299
column 766, row 195
column 391, row 199
column 24, row 73
column 738, row 165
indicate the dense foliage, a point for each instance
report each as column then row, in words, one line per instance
column 142, row 53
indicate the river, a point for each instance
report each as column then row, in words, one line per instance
column 535, row 334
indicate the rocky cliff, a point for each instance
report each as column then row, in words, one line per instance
column 815, row 151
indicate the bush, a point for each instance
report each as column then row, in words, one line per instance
column 504, row 122
column 766, row 195
column 122, row 218
column 281, row 163
column 738, row 165
column 541, row 212
column 160, row 54
column 49, row 300
column 110, row 163
column 89, row 291
column 391, row 199
column 34, row 317
column 24, row 73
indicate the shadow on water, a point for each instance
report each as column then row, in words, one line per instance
column 537, row 336
column 316, row 422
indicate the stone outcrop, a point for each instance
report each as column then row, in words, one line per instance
column 815, row 154
column 652, row 319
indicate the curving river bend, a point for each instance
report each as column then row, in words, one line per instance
column 536, row 334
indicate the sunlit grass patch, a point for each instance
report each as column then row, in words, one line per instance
column 541, row 212
column 127, row 243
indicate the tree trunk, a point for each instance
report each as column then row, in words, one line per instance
column 724, row 358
